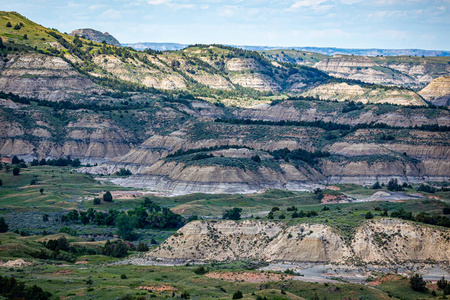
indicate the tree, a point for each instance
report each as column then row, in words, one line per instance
column 142, row 247
column 45, row 218
column 238, row 295
column 125, row 226
column 256, row 158
column 115, row 249
column 200, row 270
column 1, row 43
column 369, row 215
column 41, row 190
column 394, row 186
column 17, row 27
column 25, row 37
column 417, row 283
column 8, row 24
column 75, row 163
column 376, row 186
column 107, row 197
column 16, row 171
column 15, row 160
column 1, row 182
column 233, row 214
column 96, row 201
column 442, row 283
column 3, row 225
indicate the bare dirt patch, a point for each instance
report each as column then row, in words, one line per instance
column 64, row 272
column 159, row 288
column 249, row 276
column 383, row 279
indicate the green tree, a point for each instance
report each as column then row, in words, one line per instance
column 1, row 182
column 442, row 283
column 256, row 158
column 142, row 247
column 16, row 171
column 3, row 225
column 15, row 160
column 17, row 27
column 45, row 218
column 394, row 186
column 115, row 249
column 107, row 197
column 200, row 270
column 41, row 190
column 1, row 43
column 125, row 226
column 96, row 201
column 417, row 283
column 233, row 214
column 238, row 295
column 25, row 37
column 8, row 24
column 369, row 215
column 376, row 186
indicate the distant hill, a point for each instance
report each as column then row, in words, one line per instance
column 156, row 46
column 321, row 50
column 96, row 36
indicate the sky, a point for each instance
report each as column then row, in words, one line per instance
column 390, row 24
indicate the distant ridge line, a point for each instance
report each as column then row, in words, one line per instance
column 322, row 50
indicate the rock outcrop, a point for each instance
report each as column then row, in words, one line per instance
column 96, row 36
column 438, row 91
column 383, row 241
column 44, row 77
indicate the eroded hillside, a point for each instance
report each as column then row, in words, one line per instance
column 382, row 241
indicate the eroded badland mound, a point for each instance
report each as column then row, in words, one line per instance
column 382, row 241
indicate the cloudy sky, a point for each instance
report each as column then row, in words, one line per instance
column 423, row 24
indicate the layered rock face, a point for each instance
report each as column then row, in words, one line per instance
column 383, row 241
column 96, row 36
column 229, row 240
column 438, row 91
column 390, row 240
column 44, row 77
column 400, row 71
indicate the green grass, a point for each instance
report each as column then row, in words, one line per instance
column 63, row 188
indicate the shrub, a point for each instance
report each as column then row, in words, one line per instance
column 426, row 188
column 442, row 283
column 107, row 197
column 394, row 186
column 96, row 201
column 142, row 247
column 232, row 214
column 376, row 186
column 3, row 225
column 185, row 295
column 238, row 295
column 124, row 172
column 200, row 270
column 123, row 276
column 369, row 215
column 16, row 171
column 417, row 283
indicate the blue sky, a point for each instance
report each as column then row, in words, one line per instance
column 423, row 24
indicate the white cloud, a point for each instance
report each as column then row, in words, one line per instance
column 228, row 10
column 306, row 3
column 316, row 5
column 158, row 2
column 112, row 14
